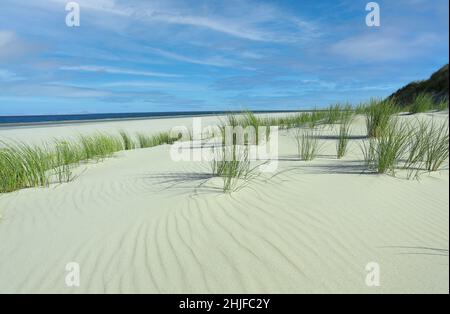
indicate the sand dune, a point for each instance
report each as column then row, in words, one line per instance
column 141, row 223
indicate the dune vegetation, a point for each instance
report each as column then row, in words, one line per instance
column 383, row 153
column 422, row 103
column 343, row 136
column 436, row 87
column 145, row 141
column 378, row 116
column 23, row 165
column 405, row 146
column 232, row 164
column 307, row 143
column 391, row 145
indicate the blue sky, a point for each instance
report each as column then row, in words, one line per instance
column 172, row 55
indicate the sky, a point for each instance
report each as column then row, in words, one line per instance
column 174, row 55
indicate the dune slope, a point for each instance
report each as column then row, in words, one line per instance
column 141, row 223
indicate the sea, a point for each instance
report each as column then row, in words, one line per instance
column 76, row 118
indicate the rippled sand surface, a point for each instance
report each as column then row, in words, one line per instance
column 141, row 223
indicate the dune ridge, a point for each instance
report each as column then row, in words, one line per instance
column 140, row 223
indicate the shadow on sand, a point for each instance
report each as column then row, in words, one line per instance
column 418, row 250
column 336, row 137
column 189, row 181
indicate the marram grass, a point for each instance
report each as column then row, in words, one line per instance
column 161, row 138
column 422, row 103
column 378, row 116
column 23, row 165
column 384, row 153
column 442, row 105
column 343, row 137
column 99, row 146
column 436, row 149
column 127, row 141
column 232, row 164
column 307, row 143
column 328, row 116
column 416, row 148
column 66, row 155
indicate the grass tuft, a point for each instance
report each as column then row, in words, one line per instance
column 378, row 116
column 343, row 137
column 422, row 103
column 66, row 155
column 127, row 141
column 161, row 138
column 383, row 154
column 436, row 139
column 442, row 105
column 23, row 165
column 232, row 164
column 307, row 143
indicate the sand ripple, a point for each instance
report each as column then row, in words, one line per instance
column 140, row 223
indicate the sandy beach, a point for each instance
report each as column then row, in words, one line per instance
column 142, row 223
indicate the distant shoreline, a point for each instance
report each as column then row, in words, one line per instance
column 67, row 119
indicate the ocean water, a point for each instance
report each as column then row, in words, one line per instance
column 42, row 119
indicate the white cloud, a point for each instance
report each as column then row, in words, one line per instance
column 11, row 46
column 215, row 24
column 112, row 70
column 106, row 6
column 154, row 85
column 8, row 76
column 6, row 37
column 214, row 61
column 385, row 46
column 246, row 20
column 50, row 90
column 251, row 55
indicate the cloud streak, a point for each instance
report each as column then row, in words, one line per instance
column 148, row 55
column 215, row 61
column 247, row 20
column 113, row 70
column 384, row 46
column 11, row 47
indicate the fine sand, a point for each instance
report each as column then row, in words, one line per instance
column 142, row 223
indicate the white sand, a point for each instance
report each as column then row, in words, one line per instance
column 140, row 222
